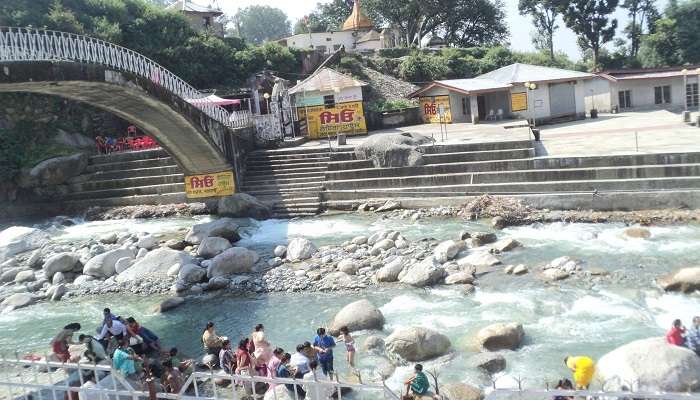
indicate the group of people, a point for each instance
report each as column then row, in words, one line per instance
column 678, row 335
column 131, row 348
column 255, row 356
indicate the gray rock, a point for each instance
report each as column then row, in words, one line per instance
column 501, row 336
column 174, row 270
column 390, row 205
column 417, row 344
column 357, row 316
column 58, row 278
column 460, row 278
column 300, row 249
column 61, row 262
column 479, row 259
column 425, row 273
column 552, row 275
column 349, row 266
column 490, row 362
column 103, row 265
column 484, row 238
column 123, row 264
column 498, row 222
column 9, row 274
column 505, row 245
column 141, row 254
column 108, row 238
column 236, row 260
column 83, row 279
column 57, row 292
column 375, row 237
column 637, row 233
column 35, row 260
column 147, row 242
column 212, row 246
column 461, row 391
column 176, row 244
column 25, row 276
column 384, row 244
column 359, row 240
column 374, row 343
column 191, row 274
column 393, row 150
column 169, row 304
column 463, row 235
column 222, row 227
column 336, row 280
column 390, row 272
column 685, row 280
column 651, row 365
column 17, row 300
column 275, row 262
column 280, row 251
column 19, row 239
column 155, row 264
column 447, row 250
column 520, row 269
column 242, row 205
column 218, row 283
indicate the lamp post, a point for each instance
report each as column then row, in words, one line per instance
column 267, row 101
column 685, row 87
column 531, row 86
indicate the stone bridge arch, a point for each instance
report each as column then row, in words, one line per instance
column 197, row 134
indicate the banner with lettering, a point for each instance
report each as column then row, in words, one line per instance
column 518, row 101
column 348, row 118
column 431, row 106
column 209, row 185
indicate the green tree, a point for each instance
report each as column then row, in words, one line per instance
column 661, row 48
column 61, row 19
column 687, row 17
column 421, row 68
column 258, row 24
column 591, row 21
column 544, row 16
column 327, row 17
column 639, row 12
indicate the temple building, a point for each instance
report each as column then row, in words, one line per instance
column 201, row 18
column 357, row 34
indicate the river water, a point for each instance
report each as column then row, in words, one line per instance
column 578, row 316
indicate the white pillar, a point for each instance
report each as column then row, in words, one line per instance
column 474, row 107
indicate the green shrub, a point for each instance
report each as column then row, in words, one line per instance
column 421, row 68
column 352, row 66
column 390, row 105
column 395, row 52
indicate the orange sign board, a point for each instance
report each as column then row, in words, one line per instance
column 518, row 101
column 436, row 109
column 210, row 185
column 348, row 118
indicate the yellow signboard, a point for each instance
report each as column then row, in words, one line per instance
column 518, row 101
column 209, row 185
column 348, row 118
column 436, row 109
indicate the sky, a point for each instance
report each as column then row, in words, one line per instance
column 521, row 27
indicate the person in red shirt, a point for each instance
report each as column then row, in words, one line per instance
column 675, row 334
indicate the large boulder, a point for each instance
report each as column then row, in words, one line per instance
column 169, row 304
column 390, row 272
column 236, row 260
column 191, row 273
column 55, row 171
column 393, row 150
column 489, row 362
column 460, row 391
column 447, row 250
column 155, row 263
column 103, row 265
column 502, row 336
column 650, row 365
column 425, row 273
column 637, row 233
column 460, row 278
column 212, row 247
column 25, row 276
column 19, row 239
column 479, row 259
column 241, row 205
column 300, row 249
column 17, row 300
column 417, row 344
column 61, row 262
column 686, row 280
column 358, row 316
column 222, row 227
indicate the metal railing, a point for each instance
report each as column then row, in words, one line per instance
column 28, row 44
column 49, row 380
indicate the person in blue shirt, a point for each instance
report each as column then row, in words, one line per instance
column 283, row 371
column 324, row 345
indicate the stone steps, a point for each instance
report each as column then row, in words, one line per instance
column 133, row 164
column 128, row 191
column 277, row 180
column 129, row 156
column 127, row 182
column 150, row 199
column 135, row 173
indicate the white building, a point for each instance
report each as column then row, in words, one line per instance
column 200, row 17
column 357, row 35
column 638, row 89
column 514, row 91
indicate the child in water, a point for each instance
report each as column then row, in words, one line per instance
column 346, row 338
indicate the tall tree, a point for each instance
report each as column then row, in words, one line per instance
column 687, row 17
column 660, row 48
column 257, row 24
column 326, row 17
column 639, row 12
column 591, row 21
column 544, row 16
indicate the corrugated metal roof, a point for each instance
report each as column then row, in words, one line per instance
column 326, row 80
column 521, row 73
column 653, row 75
column 475, row 85
column 188, row 5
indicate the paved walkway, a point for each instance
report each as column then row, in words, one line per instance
column 656, row 131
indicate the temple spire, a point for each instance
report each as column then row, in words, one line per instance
column 357, row 21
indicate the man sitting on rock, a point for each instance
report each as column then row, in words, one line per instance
column 418, row 383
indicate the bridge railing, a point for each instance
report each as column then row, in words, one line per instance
column 28, row 44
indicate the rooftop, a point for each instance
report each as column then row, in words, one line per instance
column 189, row 6
column 369, row 36
column 465, row 86
column 326, row 80
column 521, row 73
column 650, row 73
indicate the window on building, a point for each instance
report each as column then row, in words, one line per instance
column 691, row 95
column 465, row 106
column 329, row 101
column 207, row 22
column 662, row 94
column 625, row 97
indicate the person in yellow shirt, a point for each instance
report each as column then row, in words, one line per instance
column 583, row 368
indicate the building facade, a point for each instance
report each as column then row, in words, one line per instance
column 201, row 18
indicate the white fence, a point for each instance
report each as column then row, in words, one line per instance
column 26, row 44
column 46, row 380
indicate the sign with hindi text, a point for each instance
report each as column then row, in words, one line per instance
column 431, row 107
column 518, row 101
column 209, row 185
column 348, row 118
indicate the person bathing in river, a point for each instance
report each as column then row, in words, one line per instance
column 346, row 338
column 172, row 378
column 274, row 363
column 112, row 329
column 211, row 341
column 583, row 368
column 300, row 362
column 94, row 347
column 185, row 366
column 675, row 334
column 150, row 341
column 124, row 361
column 245, row 361
column 62, row 340
column 263, row 349
column 227, row 362
column 286, row 371
column 324, row 345
column 692, row 337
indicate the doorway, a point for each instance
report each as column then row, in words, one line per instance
column 481, row 104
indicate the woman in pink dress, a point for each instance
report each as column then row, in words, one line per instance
column 263, row 350
column 273, row 364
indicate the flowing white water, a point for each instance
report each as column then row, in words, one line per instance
column 573, row 318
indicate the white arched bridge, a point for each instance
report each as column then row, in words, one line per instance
column 197, row 133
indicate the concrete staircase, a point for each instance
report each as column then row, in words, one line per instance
column 459, row 170
column 290, row 180
column 130, row 178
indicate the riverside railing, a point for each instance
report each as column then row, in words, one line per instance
column 28, row 44
column 49, row 380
